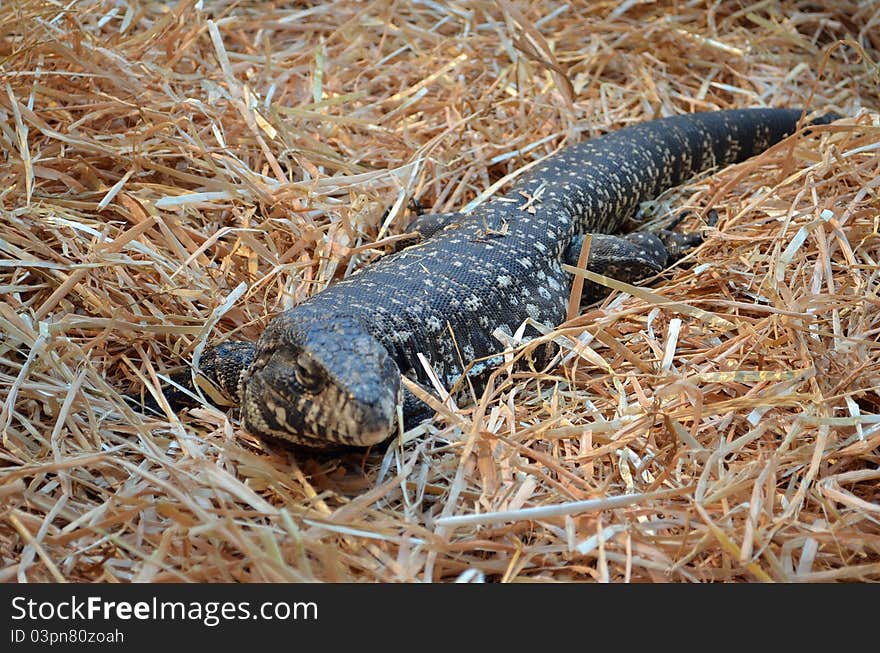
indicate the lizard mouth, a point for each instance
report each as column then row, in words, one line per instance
column 328, row 416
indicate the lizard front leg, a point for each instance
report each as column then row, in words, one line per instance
column 221, row 368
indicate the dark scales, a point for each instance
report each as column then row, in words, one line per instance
column 328, row 371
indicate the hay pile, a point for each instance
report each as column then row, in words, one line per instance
column 177, row 173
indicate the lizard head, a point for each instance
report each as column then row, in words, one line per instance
column 321, row 382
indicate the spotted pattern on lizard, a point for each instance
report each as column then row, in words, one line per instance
column 328, row 371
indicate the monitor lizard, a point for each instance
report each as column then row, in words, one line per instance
column 328, row 371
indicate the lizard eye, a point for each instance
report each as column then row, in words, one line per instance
column 307, row 375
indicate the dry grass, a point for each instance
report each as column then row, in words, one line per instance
column 172, row 175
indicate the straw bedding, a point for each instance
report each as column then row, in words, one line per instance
column 176, row 173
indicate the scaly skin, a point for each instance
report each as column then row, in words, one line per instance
column 328, row 370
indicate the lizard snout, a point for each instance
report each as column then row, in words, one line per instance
column 343, row 392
